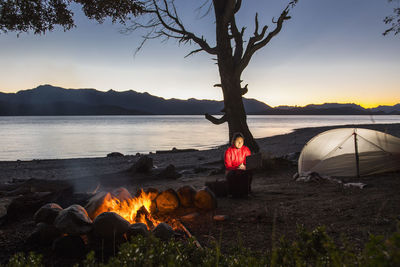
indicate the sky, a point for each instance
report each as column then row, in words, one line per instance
column 330, row 51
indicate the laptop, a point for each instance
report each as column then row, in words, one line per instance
column 254, row 161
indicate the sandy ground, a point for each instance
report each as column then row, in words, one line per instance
column 277, row 205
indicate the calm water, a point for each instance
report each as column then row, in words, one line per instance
column 49, row 137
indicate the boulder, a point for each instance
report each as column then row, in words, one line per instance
column 73, row 220
column 114, row 155
column 205, row 199
column 144, row 164
column 110, row 225
column 167, row 201
column 137, row 229
column 69, row 247
column 44, row 234
column 186, row 195
column 47, row 213
column 163, row 231
column 122, row 194
column 98, row 204
column 170, row 172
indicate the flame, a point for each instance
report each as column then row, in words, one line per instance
column 134, row 210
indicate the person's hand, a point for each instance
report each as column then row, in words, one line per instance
column 242, row 167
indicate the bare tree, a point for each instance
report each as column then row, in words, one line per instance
column 232, row 52
column 393, row 20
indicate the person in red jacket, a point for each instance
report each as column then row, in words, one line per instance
column 239, row 180
column 235, row 155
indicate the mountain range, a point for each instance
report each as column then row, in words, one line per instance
column 51, row 100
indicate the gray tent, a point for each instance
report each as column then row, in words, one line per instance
column 350, row 152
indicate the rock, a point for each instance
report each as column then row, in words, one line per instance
column 163, row 231
column 205, row 199
column 144, row 164
column 4, row 203
column 137, row 229
column 44, row 234
column 122, row 194
column 114, row 155
column 47, row 213
column 190, row 217
column 110, row 225
column 219, row 188
column 170, row 173
column 186, row 195
column 167, row 201
column 69, row 247
column 73, row 220
column 98, row 204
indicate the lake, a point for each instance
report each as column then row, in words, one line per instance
column 51, row 137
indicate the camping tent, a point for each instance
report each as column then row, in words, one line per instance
column 350, row 152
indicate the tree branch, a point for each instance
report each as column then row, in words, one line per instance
column 170, row 21
column 214, row 120
column 259, row 40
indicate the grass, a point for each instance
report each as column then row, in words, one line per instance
column 313, row 248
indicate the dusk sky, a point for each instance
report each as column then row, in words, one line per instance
column 330, row 51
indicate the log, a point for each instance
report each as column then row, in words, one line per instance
column 167, row 201
column 205, row 199
column 186, row 195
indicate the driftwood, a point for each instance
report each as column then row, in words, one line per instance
column 167, row 201
column 205, row 199
column 186, row 195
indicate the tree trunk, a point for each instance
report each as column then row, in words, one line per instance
column 234, row 108
column 230, row 74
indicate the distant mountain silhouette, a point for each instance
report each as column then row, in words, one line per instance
column 50, row 100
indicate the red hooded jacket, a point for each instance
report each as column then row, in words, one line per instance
column 234, row 157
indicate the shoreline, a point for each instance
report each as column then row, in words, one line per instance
column 74, row 168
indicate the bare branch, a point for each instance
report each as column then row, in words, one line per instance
column 216, row 120
column 237, row 6
column 194, row 52
column 245, row 89
column 259, row 40
column 166, row 17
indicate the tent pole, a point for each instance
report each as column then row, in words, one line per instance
column 356, row 152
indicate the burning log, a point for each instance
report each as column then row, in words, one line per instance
column 98, row 204
column 167, row 201
column 143, row 216
column 205, row 199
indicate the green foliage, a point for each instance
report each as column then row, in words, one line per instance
column 314, row 248
column 20, row 259
column 41, row 16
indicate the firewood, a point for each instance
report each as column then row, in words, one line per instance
column 167, row 201
column 205, row 199
column 186, row 195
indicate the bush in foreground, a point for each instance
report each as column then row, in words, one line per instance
column 314, row 248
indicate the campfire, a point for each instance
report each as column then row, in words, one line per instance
column 134, row 210
column 110, row 218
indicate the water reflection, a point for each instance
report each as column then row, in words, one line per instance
column 95, row 136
